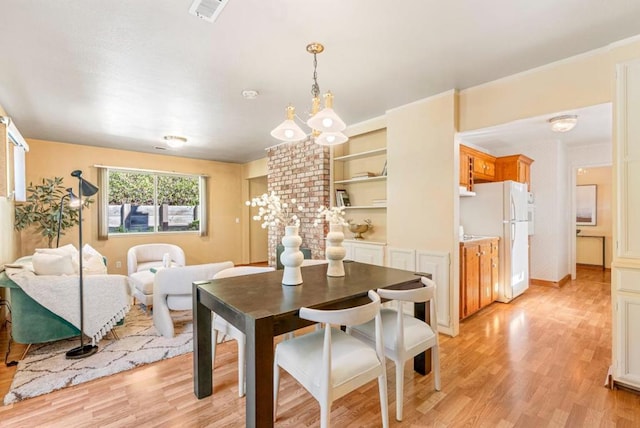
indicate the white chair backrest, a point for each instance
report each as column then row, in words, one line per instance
column 241, row 270
column 417, row 295
column 350, row 316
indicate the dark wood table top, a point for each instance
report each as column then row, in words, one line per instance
column 263, row 295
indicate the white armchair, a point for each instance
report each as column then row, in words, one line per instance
column 141, row 258
column 173, row 291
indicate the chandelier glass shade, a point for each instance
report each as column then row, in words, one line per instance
column 289, row 130
column 326, row 126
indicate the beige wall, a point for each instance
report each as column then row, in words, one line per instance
column 589, row 250
column 579, row 81
column 50, row 159
column 420, row 164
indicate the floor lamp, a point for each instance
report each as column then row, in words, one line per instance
column 73, row 202
column 84, row 189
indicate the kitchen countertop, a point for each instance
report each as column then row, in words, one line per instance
column 476, row 238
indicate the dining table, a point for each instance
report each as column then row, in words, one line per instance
column 262, row 308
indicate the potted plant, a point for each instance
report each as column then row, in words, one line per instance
column 41, row 210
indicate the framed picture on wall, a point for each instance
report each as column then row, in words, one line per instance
column 586, row 198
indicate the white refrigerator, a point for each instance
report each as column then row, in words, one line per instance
column 500, row 209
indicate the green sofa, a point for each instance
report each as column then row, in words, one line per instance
column 30, row 321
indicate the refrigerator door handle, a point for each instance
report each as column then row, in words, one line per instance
column 513, row 234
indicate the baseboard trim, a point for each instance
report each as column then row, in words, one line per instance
column 594, row 267
column 555, row 284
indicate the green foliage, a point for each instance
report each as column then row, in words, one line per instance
column 130, row 188
column 138, row 189
column 42, row 209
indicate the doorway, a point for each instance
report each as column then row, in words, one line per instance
column 593, row 246
column 258, row 237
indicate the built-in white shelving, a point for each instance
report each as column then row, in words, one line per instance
column 361, row 155
column 365, row 207
column 363, row 180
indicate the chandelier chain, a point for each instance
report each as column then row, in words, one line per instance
column 315, row 88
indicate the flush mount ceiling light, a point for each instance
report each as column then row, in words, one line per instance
column 175, row 142
column 563, row 123
column 325, row 124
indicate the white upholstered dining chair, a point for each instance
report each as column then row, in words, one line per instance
column 329, row 363
column 404, row 335
column 220, row 325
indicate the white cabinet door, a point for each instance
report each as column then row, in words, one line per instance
column 625, row 273
column 627, row 366
column 371, row 253
column 627, row 111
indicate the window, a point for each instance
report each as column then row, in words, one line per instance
column 141, row 201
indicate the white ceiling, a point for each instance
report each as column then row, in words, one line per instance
column 124, row 73
column 594, row 127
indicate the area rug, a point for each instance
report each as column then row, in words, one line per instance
column 46, row 369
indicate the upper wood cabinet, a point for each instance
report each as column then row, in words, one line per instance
column 479, row 167
column 482, row 165
column 466, row 169
column 515, row 167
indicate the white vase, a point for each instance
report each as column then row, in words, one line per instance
column 291, row 258
column 335, row 252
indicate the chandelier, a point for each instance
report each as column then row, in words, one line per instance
column 325, row 124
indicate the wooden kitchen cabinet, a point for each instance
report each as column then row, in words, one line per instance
column 482, row 165
column 466, row 169
column 478, row 274
column 515, row 167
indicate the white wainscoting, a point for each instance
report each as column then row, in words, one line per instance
column 400, row 258
column 437, row 264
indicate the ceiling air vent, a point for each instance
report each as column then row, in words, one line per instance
column 207, row 9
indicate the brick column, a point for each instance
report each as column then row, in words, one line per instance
column 300, row 171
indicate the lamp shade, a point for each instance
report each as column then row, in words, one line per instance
column 74, row 201
column 331, row 138
column 288, row 131
column 326, row 120
column 87, row 188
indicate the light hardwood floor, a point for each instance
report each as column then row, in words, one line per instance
column 539, row 361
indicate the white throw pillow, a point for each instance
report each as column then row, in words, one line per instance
column 45, row 263
column 65, row 249
column 92, row 261
column 69, row 249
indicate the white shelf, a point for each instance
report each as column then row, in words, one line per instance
column 361, row 180
column 360, row 155
column 365, row 207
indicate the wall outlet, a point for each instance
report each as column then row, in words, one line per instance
column 118, row 264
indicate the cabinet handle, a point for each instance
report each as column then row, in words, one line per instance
column 477, row 254
column 482, row 253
